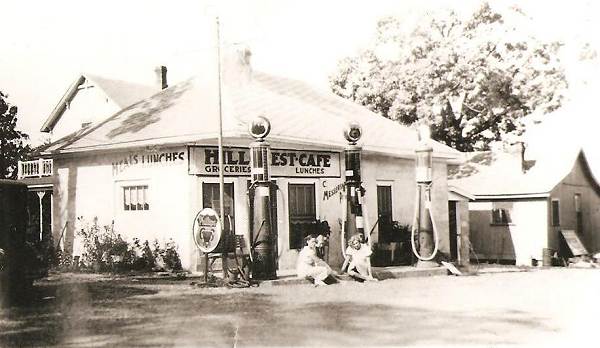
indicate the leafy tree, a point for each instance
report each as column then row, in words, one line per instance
column 473, row 80
column 13, row 147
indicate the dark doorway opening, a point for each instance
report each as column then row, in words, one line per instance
column 453, row 228
column 303, row 214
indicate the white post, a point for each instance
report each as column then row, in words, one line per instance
column 40, row 196
column 221, row 174
column 41, row 167
column 52, row 216
column 20, row 170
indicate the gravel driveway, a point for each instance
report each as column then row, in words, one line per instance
column 541, row 307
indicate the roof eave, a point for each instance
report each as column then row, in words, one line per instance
column 512, row 196
column 461, row 192
column 60, row 108
column 200, row 138
column 589, row 171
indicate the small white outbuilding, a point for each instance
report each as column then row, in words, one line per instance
column 523, row 210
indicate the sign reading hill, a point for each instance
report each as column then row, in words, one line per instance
column 287, row 163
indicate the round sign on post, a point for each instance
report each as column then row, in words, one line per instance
column 207, row 230
column 259, row 127
column 352, row 132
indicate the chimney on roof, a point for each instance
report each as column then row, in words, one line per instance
column 161, row 76
column 522, row 148
column 236, row 64
column 525, row 164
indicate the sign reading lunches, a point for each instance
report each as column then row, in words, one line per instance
column 146, row 158
column 287, row 163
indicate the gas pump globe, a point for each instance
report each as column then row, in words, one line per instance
column 264, row 260
column 259, row 128
column 352, row 132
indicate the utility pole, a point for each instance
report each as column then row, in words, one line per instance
column 221, row 176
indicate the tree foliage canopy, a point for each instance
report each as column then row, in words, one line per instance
column 472, row 80
column 13, row 147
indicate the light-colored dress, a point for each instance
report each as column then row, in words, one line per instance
column 310, row 266
column 359, row 259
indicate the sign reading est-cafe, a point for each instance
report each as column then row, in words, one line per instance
column 286, row 163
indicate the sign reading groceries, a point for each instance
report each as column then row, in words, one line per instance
column 287, row 163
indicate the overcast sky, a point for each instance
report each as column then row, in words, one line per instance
column 46, row 44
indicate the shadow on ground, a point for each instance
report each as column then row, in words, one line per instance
column 46, row 314
column 121, row 313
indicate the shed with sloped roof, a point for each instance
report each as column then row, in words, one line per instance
column 519, row 208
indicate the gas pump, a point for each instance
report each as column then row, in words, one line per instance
column 354, row 190
column 263, row 261
column 423, row 222
column 355, row 220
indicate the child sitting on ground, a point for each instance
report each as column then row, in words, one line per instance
column 310, row 265
column 357, row 258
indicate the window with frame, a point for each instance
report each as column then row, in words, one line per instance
column 555, row 212
column 210, row 199
column 303, row 213
column 578, row 212
column 135, row 197
column 501, row 216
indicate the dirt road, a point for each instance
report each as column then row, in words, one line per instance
column 555, row 307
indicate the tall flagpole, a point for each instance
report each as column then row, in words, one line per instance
column 221, row 178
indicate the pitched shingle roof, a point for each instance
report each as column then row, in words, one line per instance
column 123, row 93
column 300, row 114
column 499, row 174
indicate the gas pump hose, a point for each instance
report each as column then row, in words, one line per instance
column 343, row 234
column 365, row 228
column 284, row 213
column 414, row 228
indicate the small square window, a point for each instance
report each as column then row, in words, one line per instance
column 500, row 216
column 135, row 197
column 577, row 199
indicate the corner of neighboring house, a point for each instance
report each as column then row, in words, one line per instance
column 83, row 102
column 90, row 99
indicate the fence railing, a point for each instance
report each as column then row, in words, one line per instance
column 35, row 169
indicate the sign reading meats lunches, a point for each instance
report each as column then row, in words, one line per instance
column 284, row 163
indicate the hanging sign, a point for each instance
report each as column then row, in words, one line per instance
column 207, row 230
column 283, row 163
